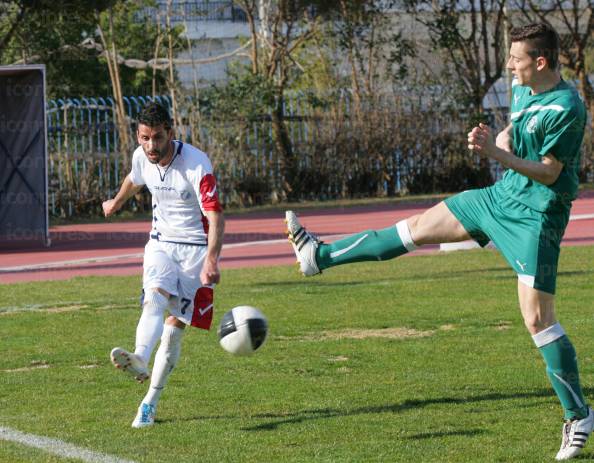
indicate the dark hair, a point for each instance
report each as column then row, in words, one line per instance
column 542, row 39
column 153, row 114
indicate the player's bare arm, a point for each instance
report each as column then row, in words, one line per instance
column 127, row 190
column 480, row 140
column 210, row 271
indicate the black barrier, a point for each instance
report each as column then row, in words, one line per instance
column 23, row 157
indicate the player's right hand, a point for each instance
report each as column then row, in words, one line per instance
column 109, row 207
column 481, row 141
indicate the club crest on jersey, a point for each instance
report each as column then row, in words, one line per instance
column 531, row 125
column 185, row 195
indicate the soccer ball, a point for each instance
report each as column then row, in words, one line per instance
column 242, row 330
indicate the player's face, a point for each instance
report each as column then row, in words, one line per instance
column 155, row 141
column 521, row 64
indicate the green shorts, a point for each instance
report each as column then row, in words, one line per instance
column 528, row 239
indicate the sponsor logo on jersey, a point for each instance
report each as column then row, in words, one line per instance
column 531, row 125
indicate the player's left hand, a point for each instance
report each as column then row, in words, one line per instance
column 210, row 274
column 480, row 140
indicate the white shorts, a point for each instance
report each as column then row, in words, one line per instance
column 176, row 269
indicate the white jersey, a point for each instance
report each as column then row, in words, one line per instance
column 181, row 193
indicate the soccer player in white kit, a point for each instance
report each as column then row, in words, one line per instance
column 181, row 256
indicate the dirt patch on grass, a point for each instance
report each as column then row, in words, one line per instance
column 340, row 358
column 86, row 367
column 503, row 325
column 390, row 333
column 353, row 333
column 447, row 327
column 65, row 308
column 34, row 365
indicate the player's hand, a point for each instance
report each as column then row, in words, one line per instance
column 210, row 274
column 109, row 207
column 480, row 140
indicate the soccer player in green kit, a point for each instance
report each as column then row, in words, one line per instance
column 525, row 213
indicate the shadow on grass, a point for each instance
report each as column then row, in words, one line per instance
column 499, row 273
column 279, row 419
column 397, row 277
column 316, row 414
column 434, row 435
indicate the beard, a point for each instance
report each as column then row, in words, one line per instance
column 156, row 156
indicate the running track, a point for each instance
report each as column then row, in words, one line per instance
column 251, row 239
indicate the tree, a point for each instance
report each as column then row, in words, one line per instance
column 50, row 33
column 376, row 52
column 61, row 35
column 285, row 27
column 471, row 35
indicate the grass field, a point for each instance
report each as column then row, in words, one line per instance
column 421, row 359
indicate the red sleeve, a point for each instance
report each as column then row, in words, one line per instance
column 209, row 196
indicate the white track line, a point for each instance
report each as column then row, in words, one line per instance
column 58, row 447
column 139, row 255
column 69, row 263
column 581, row 216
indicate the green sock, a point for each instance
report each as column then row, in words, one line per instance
column 369, row 245
column 562, row 370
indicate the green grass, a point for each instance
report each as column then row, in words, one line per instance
column 472, row 389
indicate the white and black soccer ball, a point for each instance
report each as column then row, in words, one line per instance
column 243, row 330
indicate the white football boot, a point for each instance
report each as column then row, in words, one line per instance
column 145, row 416
column 574, row 435
column 130, row 363
column 304, row 244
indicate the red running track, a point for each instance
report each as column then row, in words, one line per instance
column 251, row 239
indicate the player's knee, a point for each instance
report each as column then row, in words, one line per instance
column 174, row 321
column 535, row 322
column 155, row 303
column 415, row 228
column 162, row 291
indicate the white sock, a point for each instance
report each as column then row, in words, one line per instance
column 150, row 325
column 405, row 235
column 165, row 361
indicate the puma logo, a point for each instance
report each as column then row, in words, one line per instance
column 522, row 265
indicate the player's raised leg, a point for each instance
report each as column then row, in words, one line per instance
column 434, row 226
column 165, row 360
column 148, row 332
column 561, row 364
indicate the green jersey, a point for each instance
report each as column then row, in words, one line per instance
column 551, row 122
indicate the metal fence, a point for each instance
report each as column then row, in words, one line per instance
column 196, row 11
column 85, row 159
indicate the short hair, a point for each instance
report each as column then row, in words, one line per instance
column 542, row 39
column 153, row 114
